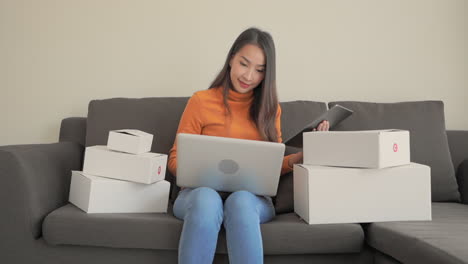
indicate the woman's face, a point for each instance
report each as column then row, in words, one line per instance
column 247, row 68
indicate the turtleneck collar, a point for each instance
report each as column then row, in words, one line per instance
column 240, row 97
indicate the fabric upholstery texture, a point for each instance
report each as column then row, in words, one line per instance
column 40, row 252
column 286, row 234
column 462, row 178
column 158, row 116
column 73, row 129
column 458, row 143
column 428, row 137
column 380, row 258
column 43, row 173
column 442, row 240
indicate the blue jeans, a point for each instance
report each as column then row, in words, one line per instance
column 203, row 213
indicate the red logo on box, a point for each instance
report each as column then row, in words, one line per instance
column 159, row 170
column 395, row 147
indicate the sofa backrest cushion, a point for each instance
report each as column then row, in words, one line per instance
column 158, row 116
column 428, row 137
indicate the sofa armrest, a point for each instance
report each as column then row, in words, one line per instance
column 35, row 180
column 462, row 179
column 73, row 129
column 458, row 144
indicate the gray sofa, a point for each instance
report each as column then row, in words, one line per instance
column 39, row 225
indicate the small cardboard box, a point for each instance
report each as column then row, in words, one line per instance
column 143, row 168
column 94, row 194
column 327, row 195
column 130, row 141
column 359, row 149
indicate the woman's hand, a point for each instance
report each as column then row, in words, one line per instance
column 299, row 157
column 296, row 159
column 323, row 126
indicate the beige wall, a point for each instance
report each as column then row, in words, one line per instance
column 55, row 56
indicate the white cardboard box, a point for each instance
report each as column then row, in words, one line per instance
column 94, row 194
column 326, row 195
column 143, row 168
column 130, row 141
column 360, row 149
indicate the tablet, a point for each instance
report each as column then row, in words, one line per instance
column 334, row 115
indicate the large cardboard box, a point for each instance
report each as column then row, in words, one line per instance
column 325, row 195
column 143, row 168
column 130, row 140
column 94, row 194
column 360, row 149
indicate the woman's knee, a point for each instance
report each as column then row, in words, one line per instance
column 205, row 195
column 206, row 202
column 240, row 200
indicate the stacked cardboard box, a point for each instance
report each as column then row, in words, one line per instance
column 359, row 177
column 122, row 177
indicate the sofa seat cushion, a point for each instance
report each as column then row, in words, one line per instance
column 286, row 234
column 442, row 240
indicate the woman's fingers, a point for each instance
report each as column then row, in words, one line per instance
column 323, row 126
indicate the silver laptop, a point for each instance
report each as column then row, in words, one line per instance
column 229, row 164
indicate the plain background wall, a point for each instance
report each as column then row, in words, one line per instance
column 57, row 55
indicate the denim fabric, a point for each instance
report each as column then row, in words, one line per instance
column 203, row 213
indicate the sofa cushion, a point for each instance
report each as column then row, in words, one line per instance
column 428, row 137
column 35, row 180
column 158, row 116
column 286, row 234
column 73, row 129
column 458, row 144
column 442, row 240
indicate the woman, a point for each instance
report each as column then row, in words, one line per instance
column 241, row 103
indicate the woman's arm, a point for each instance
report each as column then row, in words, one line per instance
column 190, row 123
column 285, row 167
column 298, row 157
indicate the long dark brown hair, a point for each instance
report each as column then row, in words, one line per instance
column 265, row 103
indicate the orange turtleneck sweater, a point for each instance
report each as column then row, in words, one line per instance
column 204, row 115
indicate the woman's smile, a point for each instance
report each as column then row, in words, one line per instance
column 243, row 84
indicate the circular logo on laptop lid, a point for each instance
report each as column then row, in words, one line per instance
column 228, row 166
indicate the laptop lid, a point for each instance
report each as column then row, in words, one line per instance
column 229, row 164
